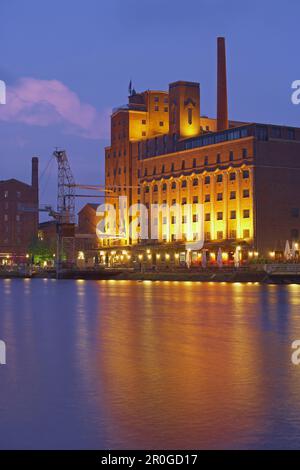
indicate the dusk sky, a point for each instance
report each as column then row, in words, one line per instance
column 67, row 63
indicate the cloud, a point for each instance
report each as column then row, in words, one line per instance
column 50, row 102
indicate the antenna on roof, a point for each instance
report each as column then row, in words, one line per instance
column 130, row 88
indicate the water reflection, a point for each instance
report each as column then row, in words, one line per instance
column 149, row 365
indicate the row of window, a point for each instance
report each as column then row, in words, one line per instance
column 18, row 194
column 232, row 177
column 207, row 217
column 207, row 235
column 18, row 218
column 183, row 166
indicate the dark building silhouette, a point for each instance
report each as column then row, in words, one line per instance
column 19, row 216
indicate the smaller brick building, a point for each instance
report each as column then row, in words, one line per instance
column 19, row 216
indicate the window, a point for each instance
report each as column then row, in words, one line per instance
column 18, row 218
column 166, row 100
column 246, row 174
column 294, row 234
column 207, row 235
column 166, row 109
column 5, row 217
column 6, row 194
column 194, row 163
column 143, row 134
column 232, row 234
column 195, row 182
column 232, row 176
column 205, row 160
column 276, row 132
column 183, row 183
column 183, row 201
column 218, row 158
column 219, row 215
column 155, row 188
column 164, row 187
column 147, row 189
column 220, row 197
column 164, row 220
column 184, row 219
column 190, row 116
column 220, row 235
column 156, row 99
column 246, row 193
column 145, row 172
column 291, row 134
column 295, row 212
column 207, row 179
column 246, row 233
column 154, row 170
column 144, row 122
column 172, row 167
column 183, row 165
column 232, row 195
column 163, row 169
column 207, row 198
column 231, row 156
column 18, row 194
column 156, row 108
column 246, row 213
column 173, row 186
column 233, row 214
column 173, row 220
column 195, row 218
column 245, row 153
column 195, row 199
column 219, row 178
column 139, row 191
column 207, row 217
column 161, row 123
column 173, row 202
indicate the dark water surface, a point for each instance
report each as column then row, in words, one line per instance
column 121, row 364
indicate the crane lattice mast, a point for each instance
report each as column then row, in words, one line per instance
column 66, row 189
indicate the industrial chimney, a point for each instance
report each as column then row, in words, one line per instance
column 35, row 177
column 222, row 108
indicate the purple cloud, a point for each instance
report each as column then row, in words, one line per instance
column 49, row 102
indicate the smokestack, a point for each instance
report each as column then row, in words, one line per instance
column 222, row 108
column 35, row 176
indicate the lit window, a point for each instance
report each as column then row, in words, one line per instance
column 195, row 217
column 207, row 217
column 6, row 194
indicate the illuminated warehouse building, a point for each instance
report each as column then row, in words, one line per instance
column 246, row 175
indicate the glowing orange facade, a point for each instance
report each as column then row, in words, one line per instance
column 163, row 151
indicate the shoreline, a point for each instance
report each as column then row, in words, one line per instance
column 228, row 276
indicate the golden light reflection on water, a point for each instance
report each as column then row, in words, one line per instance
column 187, row 365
